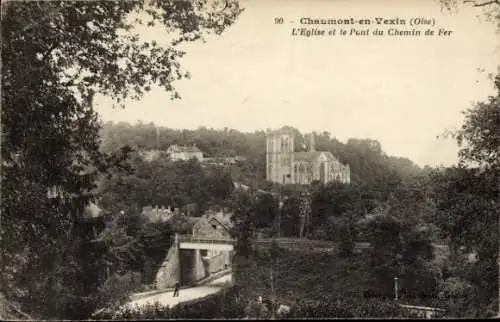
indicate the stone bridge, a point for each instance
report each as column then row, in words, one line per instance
column 191, row 259
column 191, row 242
column 188, row 260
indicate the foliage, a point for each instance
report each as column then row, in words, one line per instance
column 290, row 216
column 50, row 131
column 479, row 136
column 490, row 8
column 174, row 184
column 266, row 211
column 303, row 280
column 133, row 244
column 403, row 251
column 369, row 164
column 456, row 295
column 345, row 307
column 116, row 289
column 466, row 198
column 347, row 231
column 232, row 305
column 225, row 305
column 243, row 207
column 467, row 203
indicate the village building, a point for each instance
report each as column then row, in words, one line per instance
column 213, row 226
column 191, row 265
column 176, row 152
column 157, row 214
column 284, row 165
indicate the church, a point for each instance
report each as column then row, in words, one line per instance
column 284, row 165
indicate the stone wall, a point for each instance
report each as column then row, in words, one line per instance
column 199, row 270
column 169, row 272
column 216, row 263
column 192, row 266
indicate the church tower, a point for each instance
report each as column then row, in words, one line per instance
column 312, row 148
column 279, row 155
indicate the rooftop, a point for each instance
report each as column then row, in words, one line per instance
column 282, row 130
column 184, row 149
column 311, row 155
column 92, row 211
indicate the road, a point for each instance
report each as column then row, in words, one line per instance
column 185, row 295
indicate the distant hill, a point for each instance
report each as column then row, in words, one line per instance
column 369, row 163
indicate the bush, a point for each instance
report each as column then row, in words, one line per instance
column 227, row 304
column 346, row 308
column 117, row 288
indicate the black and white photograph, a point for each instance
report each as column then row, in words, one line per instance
column 253, row 159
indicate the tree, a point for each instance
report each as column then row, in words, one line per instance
column 479, row 136
column 243, row 207
column 50, row 132
column 266, row 210
column 467, row 205
column 489, row 8
column 401, row 250
column 346, row 230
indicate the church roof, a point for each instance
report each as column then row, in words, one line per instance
column 312, row 155
column 282, row 130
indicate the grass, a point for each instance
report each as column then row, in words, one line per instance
column 301, row 275
column 316, row 276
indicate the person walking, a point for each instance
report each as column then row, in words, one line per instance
column 176, row 289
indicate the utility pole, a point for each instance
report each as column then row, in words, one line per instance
column 281, row 203
column 306, row 219
column 273, row 296
column 157, row 138
column 396, row 288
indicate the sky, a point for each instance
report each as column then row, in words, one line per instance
column 401, row 91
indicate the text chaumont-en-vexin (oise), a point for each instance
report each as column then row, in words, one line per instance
column 414, row 21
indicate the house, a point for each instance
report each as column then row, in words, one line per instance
column 224, row 161
column 423, row 311
column 176, row 152
column 213, row 226
column 157, row 214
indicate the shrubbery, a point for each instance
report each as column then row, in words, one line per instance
column 231, row 305
column 346, row 308
column 227, row 304
column 117, row 288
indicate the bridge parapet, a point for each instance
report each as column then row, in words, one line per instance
column 194, row 239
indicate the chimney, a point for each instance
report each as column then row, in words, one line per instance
column 311, row 143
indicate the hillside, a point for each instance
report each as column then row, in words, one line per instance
column 314, row 276
column 369, row 163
